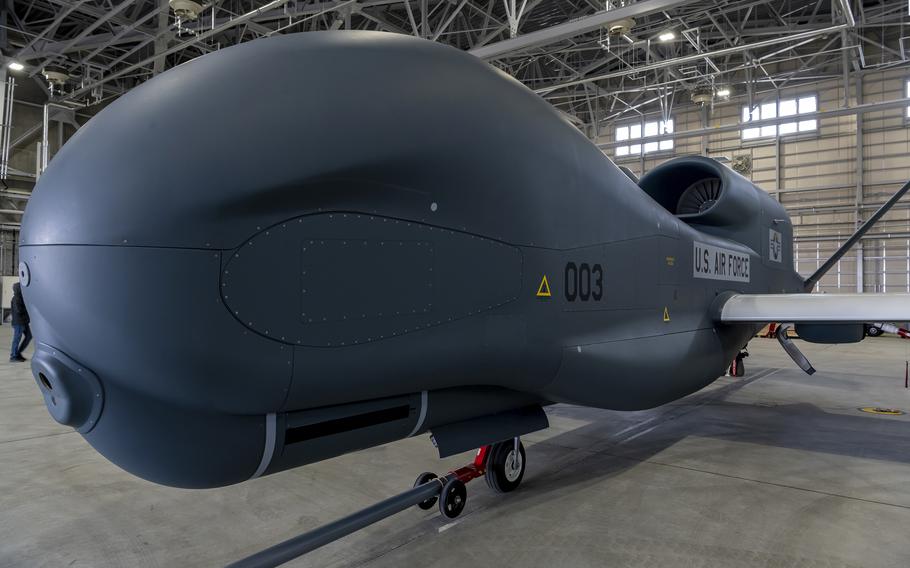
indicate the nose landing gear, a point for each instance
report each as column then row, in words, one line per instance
column 502, row 465
column 505, row 466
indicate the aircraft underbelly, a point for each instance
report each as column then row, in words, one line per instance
column 639, row 373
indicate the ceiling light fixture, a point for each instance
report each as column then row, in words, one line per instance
column 15, row 66
column 667, row 36
column 723, row 92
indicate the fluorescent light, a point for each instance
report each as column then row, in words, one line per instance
column 667, row 36
column 723, row 92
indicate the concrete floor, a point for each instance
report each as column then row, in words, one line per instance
column 775, row 469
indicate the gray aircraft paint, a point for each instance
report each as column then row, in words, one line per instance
column 254, row 233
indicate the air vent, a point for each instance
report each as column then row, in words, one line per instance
column 345, row 424
column 699, row 197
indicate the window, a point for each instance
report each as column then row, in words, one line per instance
column 635, row 131
column 785, row 108
column 907, row 93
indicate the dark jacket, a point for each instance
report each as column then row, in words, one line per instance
column 19, row 313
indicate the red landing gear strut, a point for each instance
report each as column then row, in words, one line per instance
column 501, row 464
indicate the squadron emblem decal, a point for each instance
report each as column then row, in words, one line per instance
column 775, row 246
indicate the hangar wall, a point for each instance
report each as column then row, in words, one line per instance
column 26, row 132
column 823, row 178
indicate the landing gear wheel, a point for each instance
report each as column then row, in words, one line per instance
column 505, row 468
column 453, row 497
column 421, row 479
column 873, row 331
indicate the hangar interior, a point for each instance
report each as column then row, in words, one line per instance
column 810, row 99
column 830, row 177
column 691, row 65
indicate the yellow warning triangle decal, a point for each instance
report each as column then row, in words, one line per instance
column 543, row 291
column 666, row 314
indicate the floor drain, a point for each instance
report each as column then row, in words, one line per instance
column 880, row 410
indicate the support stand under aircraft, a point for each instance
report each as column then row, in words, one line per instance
column 501, row 464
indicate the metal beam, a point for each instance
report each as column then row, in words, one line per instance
column 53, row 26
column 161, row 38
column 445, row 24
column 860, row 186
column 848, row 13
column 179, row 47
column 94, row 25
column 94, row 41
column 119, row 36
column 695, row 57
column 573, row 28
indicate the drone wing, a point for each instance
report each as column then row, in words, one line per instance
column 815, row 308
column 819, row 318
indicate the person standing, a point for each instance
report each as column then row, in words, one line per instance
column 22, row 334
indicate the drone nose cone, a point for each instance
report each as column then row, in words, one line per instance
column 165, row 243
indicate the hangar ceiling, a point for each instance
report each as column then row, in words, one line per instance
column 595, row 61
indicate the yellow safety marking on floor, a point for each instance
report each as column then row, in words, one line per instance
column 666, row 314
column 543, row 291
column 880, row 410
